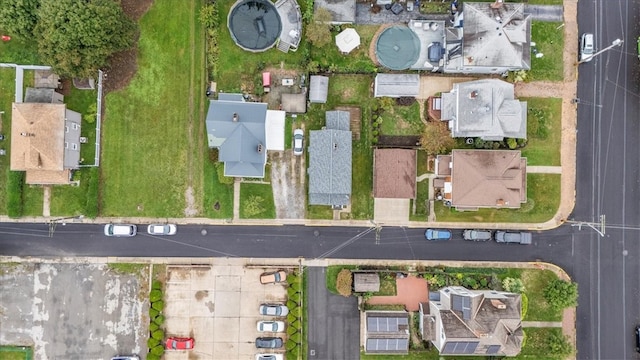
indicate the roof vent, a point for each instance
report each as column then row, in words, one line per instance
column 260, row 148
column 335, row 146
column 236, row 117
column 473, row 94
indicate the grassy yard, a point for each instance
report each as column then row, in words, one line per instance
column 256, row 201
column 402, row 120
column 329, row 58
column 16, row 353
column 535, row 281
column 7, row 82
column 153, row 145
column 20, row 51
column 332, row 275
column 537, row 344
column 544, row 131
column 549, row 39
column 543, row 199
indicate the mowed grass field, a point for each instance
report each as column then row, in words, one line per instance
column 153, row 129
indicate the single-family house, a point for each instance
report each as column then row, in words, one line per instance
column 396, row 85
column 45, row 141
column 486, row 109
column 243, row 132
column 330, row 161
column 473, row 179
column 460, row 322
column 386, row 332
column 394, row 173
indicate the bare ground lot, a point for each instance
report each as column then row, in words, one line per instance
column 287, row 181
column 72, row 311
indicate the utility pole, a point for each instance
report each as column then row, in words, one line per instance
column 616, row 42
column 600, row 229
column 54, row 222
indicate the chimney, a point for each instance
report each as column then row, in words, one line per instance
column 473, row 94
column 498, row 304
column 236, row 117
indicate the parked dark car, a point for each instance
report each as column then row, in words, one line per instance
column 437, row 234
column 477, row 235
column 638, row 338
column 514, row 237
column 268, row 342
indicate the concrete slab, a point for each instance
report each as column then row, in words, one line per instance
column 227, row 304
column 391, row 210
column 225, row 350
column 228, row 283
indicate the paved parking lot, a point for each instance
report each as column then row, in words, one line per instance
column 218, row 307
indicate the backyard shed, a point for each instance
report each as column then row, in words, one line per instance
column 366, row 282
column 318, row 89
column 396, row 85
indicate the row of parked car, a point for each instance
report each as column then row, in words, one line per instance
column 274, row 310
column 512, row 237
column 128, row 230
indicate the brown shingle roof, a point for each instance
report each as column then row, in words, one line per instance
column 488, row 178
column 394, row 174
column 37, row 141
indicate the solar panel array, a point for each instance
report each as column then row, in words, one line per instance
column 460, row 347
column 493, row 349
column 462, row 303
column 396, row 345
column 385, row 324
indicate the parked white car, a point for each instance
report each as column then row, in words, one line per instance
column 270, row 326
column 162, row 229
column 120, row 230
column 298, row 141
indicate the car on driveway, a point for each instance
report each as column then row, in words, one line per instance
column 162, row 229
column 298, row 141
column 586, row 47
column 180, row 343
column 274, row 310
column 269, row 342
column 477, row 235
column 120, row 230
column 437, row 234
column 273, row 277
column 513, row 237
column 269, row 357
column 270, row 326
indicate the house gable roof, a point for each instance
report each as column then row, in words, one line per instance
column 488, row 178
column 38, row 136
column 330, row 162
column 238, row 130
column 485, row 108
column 496, row 36
column 394, row 173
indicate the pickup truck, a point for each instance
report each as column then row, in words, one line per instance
column 516, row 237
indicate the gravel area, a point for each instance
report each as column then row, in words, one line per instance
column 287, row 181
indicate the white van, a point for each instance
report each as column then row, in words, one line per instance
column 120, row 230
column 586, row 47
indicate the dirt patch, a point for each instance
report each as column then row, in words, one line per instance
column 124, row 64
column 272, row 98
column 287, row 181
column 191, row 209
column 409, row 141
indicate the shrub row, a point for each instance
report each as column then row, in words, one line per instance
column 294, row 319
column 156, row 322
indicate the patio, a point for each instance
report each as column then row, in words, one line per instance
column 411, row 291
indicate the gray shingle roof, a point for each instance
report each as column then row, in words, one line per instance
column 330, row 162
column 318, row 89
column 485, row 108
column 242, row 142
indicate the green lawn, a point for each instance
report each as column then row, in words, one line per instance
column 388, row 286
column 537, row 344
column 543, row 199
column 216, row 193
column 256, row 201
column 535, row 281
column 153, row 131
column 544, row 131
column 19, row 51
column 16, row 353
column 549, row 39
column 7, row 76
column 329, row 58
column 402, row 120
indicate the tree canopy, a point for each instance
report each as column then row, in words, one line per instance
column 436, row 138
column 561, row 294
column 19, row 17
column 77, row 37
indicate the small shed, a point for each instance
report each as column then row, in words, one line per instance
column 318, row 89
column 366, row 282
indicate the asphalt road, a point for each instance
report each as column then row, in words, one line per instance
column 607, row 268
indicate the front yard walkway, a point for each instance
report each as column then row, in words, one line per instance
column 411, row 291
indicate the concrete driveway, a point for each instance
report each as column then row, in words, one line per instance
column 333, row 321
column 73, row 311
column 218, row 307
column 391, row 211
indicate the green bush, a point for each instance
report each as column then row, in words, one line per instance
column 561, row 294
column 157, row 350
column 15, row 186
column 291, row 304
column 293, row 353
column 159, row 320
column 295, row 338
column 512, row 143
column 290, row 345
column 151, row 343
column 153, row 312
column 158, row 334
column 156, row 285
column 151, row 356
column 513, row 285
column 291, row 330
column 293, row 294
column 525, row 304
column 158, row 305
column 291, row 317
column 559, row 345
column 153, row 327
column 155, row 295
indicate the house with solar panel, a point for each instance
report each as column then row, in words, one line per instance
column 459, row 321
column 387, row 332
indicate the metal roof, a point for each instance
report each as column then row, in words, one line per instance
column 318, row 89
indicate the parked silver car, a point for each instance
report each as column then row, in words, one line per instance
column 477, row 235
column 513, row 237
column 162, row 229
column 274, row 310
column 298, row 141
